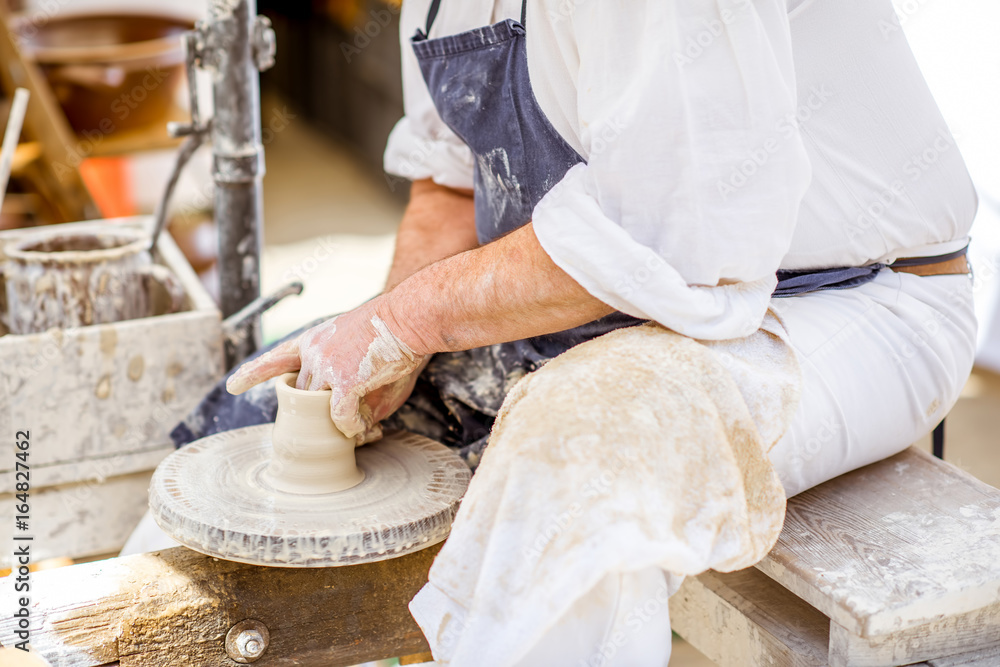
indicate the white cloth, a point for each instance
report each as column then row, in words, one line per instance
column 700, row 122
column 623, row 621
column 638, row 450
column 913, row 340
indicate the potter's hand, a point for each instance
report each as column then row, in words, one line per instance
column 369, row 369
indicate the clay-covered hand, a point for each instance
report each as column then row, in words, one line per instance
column 369, row 369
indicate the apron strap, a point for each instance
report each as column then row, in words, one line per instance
column 431, row 15
column 436, row 5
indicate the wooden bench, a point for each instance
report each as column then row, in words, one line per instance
column 893, row 564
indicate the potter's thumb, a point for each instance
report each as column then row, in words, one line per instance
column 345, row 413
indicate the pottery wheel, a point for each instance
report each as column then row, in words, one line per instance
column 211, row 496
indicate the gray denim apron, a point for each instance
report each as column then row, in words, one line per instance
column 479, row 83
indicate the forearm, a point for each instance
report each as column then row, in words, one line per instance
column 507, row 290
column 439, row 222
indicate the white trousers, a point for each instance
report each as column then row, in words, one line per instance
column 881, row 365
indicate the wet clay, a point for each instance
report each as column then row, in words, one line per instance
column 311, row 455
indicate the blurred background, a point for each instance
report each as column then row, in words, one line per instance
column 328, row 105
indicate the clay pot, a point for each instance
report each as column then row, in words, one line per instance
column 110, row 72
column 72, row 279
column 311, row 455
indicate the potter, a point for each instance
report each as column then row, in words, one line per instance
column 636, row 361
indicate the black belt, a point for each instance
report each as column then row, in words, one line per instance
column 791, row 283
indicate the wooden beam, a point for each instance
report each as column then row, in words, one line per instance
column 976, row 630
column 986, row 658
column 744, row 619
column 174, row 608
column 895, row 545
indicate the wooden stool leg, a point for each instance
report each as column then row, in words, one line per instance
column 937, row 440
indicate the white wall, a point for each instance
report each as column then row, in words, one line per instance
column 956, row 43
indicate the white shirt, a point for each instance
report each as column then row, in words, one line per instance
column 722, row 139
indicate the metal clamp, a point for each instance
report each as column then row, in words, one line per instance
column 196, row 131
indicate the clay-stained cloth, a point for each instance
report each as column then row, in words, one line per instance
column 639, row 448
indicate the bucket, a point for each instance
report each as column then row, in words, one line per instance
column 109, row 71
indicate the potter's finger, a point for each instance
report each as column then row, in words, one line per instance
column 317, row 383
column 305, row 380
column 280, row 360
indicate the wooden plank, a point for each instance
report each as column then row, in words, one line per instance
column 898, row 544
column 986, row 658
column 744, row 619
column 174, row 608
column 94, row 468
column 78, row 520
column 976, row 630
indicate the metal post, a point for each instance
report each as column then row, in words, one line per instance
column 234, row 44
column 237, row 45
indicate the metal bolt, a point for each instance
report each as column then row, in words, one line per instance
column 247, row 641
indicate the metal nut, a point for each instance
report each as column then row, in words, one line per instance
column 264, row 44
column 247, row 641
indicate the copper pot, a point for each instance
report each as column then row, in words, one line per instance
column 110, row 72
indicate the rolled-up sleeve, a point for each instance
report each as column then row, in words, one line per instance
column 695, row 166
column 420, row 145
